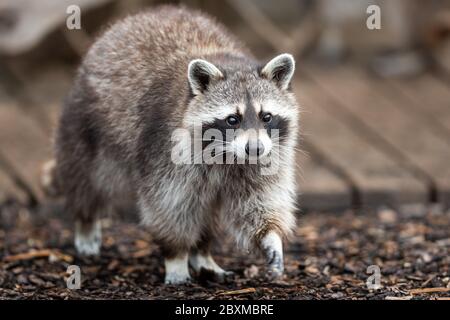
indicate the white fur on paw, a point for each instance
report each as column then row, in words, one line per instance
column 273, row 248
column 177, row 271
column 174, row 278
column 88, row 242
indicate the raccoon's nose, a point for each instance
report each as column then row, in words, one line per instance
column 255, row 148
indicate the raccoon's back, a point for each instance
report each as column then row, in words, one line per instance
column 153, row 44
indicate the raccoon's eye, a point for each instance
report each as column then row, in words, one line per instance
column 232, row 121
column 267, row 117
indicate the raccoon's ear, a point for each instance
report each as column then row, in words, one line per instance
column 201, row 73
column 280, row 70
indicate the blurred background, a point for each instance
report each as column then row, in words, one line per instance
column 376, row 120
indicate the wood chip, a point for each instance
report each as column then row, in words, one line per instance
column 131, row 269
column 141, row 244
column 428, row 280
column 113, row 264
column 35, row 254
column 312, row 270
column 429, row 290
column 141, row 253
column 251, row 271
column 236, row 292
column 398, row 298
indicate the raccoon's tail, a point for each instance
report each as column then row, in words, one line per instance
column 49, row 181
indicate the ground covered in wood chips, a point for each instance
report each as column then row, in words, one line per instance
column 328, row 259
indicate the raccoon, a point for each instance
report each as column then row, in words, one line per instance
column 165, row 71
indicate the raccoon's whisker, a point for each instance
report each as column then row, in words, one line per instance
column 200, row 155
column 223, row 151
column 218, row 155
column 304, row 152
column 297, row 165
column 197, row 156
column 213, row 141
column 278, row 154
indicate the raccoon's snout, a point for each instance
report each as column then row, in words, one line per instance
column 254, row 148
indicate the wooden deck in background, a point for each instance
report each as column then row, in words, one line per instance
column 368, row 142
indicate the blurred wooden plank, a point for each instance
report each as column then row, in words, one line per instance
column 261, row 23
column 33, row 100
column 33, row 20
column 42, row 92
column 9, row 188
column 48, row 89
column 23, row 145
column 10, row 185
column 377, row 178
column 430, row 97
column 319, row 187
column 405, row 136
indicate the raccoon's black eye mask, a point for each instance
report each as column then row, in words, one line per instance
column 266, row 121
column 221, row 125
column 279, row 123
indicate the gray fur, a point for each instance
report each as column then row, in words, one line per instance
column 131, row 92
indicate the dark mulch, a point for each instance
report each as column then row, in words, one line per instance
column 328, row 259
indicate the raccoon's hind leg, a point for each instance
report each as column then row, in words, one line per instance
column 200, row 258
column 177, row 271
column 176, row 265
column 86, row 205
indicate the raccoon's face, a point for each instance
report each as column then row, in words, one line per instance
column 248, row 110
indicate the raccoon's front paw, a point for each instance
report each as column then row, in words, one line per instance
column 175, row 278
column 273, row 249
column 275, row 266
